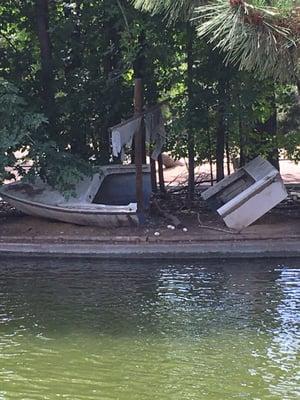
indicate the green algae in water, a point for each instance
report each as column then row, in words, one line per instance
column 79, row 330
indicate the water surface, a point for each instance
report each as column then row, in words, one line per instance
column 110, row 330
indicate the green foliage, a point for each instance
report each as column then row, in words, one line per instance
column 94, row 51
column 18, row 126
column 60, row 169
column 21, row 145
column 267, row 47
column 289, row 121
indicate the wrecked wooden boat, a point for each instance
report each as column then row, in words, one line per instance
column 105, row 199
column 247, row 194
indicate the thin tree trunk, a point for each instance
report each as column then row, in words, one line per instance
column 47, row 74
column 139, row 67
column 161, row 179
column 210, row 160
column 298, row 86
column 242, row 144
column 151, row 99
column 221, row 128
column 242, row 135
column 138, row 105
column 271, row 128
column 75, row 48
column 191, row 137
column 111, row 37
column 153, row 175
column 227, row 153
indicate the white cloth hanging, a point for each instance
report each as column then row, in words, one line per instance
column 116, row 143
column 123, row 135
column 155, row 131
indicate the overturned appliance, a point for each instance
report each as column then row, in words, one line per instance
column 106, row 199
column 247, row 194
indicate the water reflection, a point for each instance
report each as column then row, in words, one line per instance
column 283, row 352
column 99, row 330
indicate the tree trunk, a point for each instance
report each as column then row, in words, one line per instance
column 139, row 67
column 75, row 49
column 138, row 106
column 271, row 128
column 151, row 98
column 243, row 136
column 243, row 141
column 298, row 86
column 227, row 147
column 47, row 74
column 221, row 127
column 190, row 128
column 111, row 38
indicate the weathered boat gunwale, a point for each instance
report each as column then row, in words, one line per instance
column 97, row 210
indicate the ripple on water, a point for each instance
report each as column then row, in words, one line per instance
column 106, row 330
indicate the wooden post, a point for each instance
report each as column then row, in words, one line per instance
column 138, row 150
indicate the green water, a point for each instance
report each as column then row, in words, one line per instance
column 99, row 330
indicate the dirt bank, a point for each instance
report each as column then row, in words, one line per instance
column 198, row 224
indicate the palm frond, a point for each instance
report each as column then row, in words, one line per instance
column 258, row 39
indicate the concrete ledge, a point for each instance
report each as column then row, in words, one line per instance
column 175, row 251
column 134, row 239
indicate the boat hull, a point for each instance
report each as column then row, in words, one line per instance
column 105, row 199
column 90, row 217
